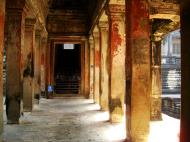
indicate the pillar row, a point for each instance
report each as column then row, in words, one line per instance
column 117, row 61
column 96, row 35
column 28, row 72
column 15, row 42
column 104, row 81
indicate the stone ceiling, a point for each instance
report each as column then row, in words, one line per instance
column 79, row 14
column 75, row 17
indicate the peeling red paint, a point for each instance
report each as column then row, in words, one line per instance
column 97, row 58
column 140, row 11
column 116, row 39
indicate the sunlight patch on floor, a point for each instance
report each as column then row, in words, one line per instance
column 164, row 131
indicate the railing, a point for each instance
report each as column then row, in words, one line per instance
column 171, row 106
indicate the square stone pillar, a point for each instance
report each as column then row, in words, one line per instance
column 37, row 66
column 137, row 70
column 2, row 20
column 43, row 71
column 96, row 35
column 185, row 71
column 15, row 42
column 47, row 64
column 87, row 69
column 117, row 61
column 104, row 53
column 156, row 88
column 91, row 44
column 28, row 73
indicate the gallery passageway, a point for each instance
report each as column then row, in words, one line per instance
column 65, row 120
column 92, row 53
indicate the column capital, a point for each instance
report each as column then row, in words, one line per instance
column 30, row 22
column 91, row 39
column 156, row 38
column 38, row 33
column 45, row 40
column 103, row 25
column 115, row 9
column 96, row 32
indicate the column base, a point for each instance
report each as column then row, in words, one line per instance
column 116, row 118
column 156, row 114
column 13, row 110
column 12, row 122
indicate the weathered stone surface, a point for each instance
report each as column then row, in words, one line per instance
column 97, row 57
column 28, row 72
column 14, row 43
column 138, row 64
column 37, row 66
column 156, row 81
column 87, row 69
column 58, row 22
column 104, row 92
column 91, row 44
column 117, row 61
column 43, row 66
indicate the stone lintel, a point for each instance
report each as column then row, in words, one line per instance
column 164, row 8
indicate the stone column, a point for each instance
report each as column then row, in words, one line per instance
column 156, row 89
column 28, row 74
column 96, row 36
column 47, row 64
column 185, row 71
column 91, row 44
column 117, row 61
column 2, row 18
column 87, row 71
column 103, row 26
column 37, row 66
column 137, row 70
column 43, row 71
column 82, row 57
column 15, row 42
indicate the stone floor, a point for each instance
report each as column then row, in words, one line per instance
column 65, row 120
column 166, row 130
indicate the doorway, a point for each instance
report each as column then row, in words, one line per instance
column 67, row 69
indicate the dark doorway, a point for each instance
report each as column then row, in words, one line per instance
column 67, row 68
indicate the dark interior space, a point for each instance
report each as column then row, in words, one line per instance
column 67, row 69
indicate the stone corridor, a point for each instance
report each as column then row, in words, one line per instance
column 64, row 120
